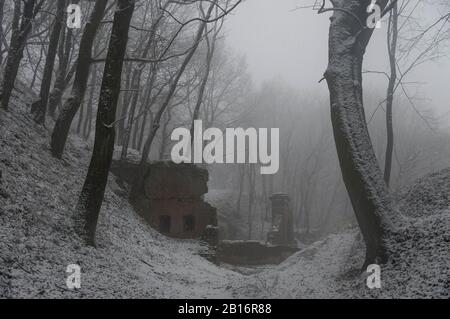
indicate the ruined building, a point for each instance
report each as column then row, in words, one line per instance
column 280, row 240
column 171, row 197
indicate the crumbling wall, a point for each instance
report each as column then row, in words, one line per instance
column 171, row 198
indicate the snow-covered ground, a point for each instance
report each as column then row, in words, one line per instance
column 38, row 193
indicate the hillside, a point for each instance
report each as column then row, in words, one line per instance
column 38, row 192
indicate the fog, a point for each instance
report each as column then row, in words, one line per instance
column 187, row 149
column 281, row 40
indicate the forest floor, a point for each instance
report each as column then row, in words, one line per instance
column 37, row 242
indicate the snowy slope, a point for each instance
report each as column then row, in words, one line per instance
column 418, row 268
column 38, row 192
column 37, row 242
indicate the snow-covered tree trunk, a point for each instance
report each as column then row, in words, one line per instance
column 348, row 39
column 91, row 197
column 71, row 106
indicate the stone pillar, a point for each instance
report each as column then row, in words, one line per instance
column 282, row 232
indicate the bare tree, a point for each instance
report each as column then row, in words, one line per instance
column 21, row 28
column 348, row 39
column 168, row 98
column 64, row 73
column 91, row 196
column 136, row 80
column 71, row 106
column 392, row 38
column 405, row 53
column 88, row 121
column 211, row 44
column 39, row 107
column 2, row 35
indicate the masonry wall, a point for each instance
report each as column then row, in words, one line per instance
column 171, row 199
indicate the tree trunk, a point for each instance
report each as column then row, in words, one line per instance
column 2, row 35
column 91, row 196
column 18, row 40
column 209, row 56
column 37, row 64
column 130, row 120
column 348, row 39
column 88, row 123
column 142, row 130
column 164, row 135
column 81, row 117
column 139, row 129
column 8, row 77
column 39, row 107
column 142, row 110
column 241, row 190
column 62, row 76
column 71, row 106
column 251, row 199
column 265, row 206
column 125, row 101
column 392, row 51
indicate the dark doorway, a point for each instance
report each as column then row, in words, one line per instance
column 164, row 224
column 189, row 223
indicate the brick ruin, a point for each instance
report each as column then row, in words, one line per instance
column 171, row 197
